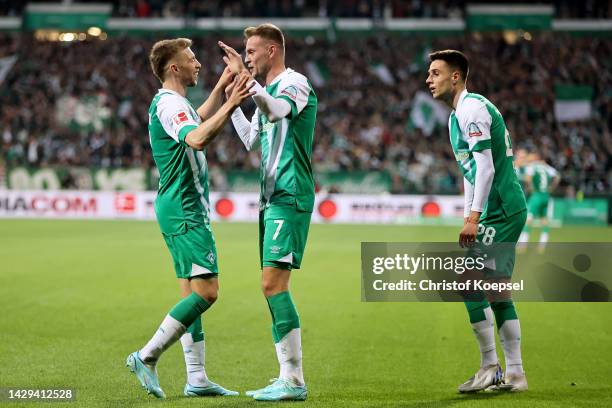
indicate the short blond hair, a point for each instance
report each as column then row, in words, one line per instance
column 163, row 51
column 267, row 31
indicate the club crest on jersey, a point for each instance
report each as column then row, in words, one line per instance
column 290, row 91
column 267, row 126
column 180, row 117
column 474, row 130
column 462, row 155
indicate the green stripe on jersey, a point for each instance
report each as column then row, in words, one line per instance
column 286, row 149
column 506, row 196
column 182, row 198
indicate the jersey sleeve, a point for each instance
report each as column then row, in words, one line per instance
column 295, row 90
column 173, row 113
column 254, row 140
column 476, row 124
column 247, row 131
column 255, row 122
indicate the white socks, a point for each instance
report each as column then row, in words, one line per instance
column 169, row 332
column 485, row 334
column 194, row 361
column 510, row 338
column 289, row 354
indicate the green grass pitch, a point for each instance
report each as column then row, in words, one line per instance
column 77, row 296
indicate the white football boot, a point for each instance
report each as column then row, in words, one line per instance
column 511, row 383
column 485, row 377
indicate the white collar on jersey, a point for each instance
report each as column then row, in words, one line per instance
column 462, row 96
column 170, row 91
column 280, row 76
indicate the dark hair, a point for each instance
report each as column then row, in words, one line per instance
column 455, row 59
column 163, row 51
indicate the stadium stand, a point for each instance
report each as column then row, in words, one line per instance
column 366, row 87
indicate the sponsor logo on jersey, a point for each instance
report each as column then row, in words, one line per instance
column 290, row 91
column 474, row 130
column 180, row 117
column 462, row 155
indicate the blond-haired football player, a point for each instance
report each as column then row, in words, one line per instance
column 178, row 134
column 282, row 128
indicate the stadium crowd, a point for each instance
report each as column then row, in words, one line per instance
column 314, row 8
column 363, row 120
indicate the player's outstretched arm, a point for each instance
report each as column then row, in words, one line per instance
column 274, row 109
column 247, row 131
column 201, row 136
column 215, row 99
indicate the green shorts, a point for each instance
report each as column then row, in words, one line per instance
column 194, row 252
column 497, row 237
column 538, row 205
column 283, row 231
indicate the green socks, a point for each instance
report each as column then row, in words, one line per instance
column 284, row 315
column 503, row 311
column 185, row 314
column 476, row 310
column 189, row 309
column 196, row 330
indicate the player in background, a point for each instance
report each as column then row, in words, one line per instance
column 283, row 128
column 495, row 212
column 520, row 164
column 178, row 134
column 540, row 180
column 521, row 160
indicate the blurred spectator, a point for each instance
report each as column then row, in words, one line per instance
column 593, row 9
column 363, row 120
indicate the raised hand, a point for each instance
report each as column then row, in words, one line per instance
column 229, row 88
column 241, row 89
column 232, row 58
column 227, row 78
